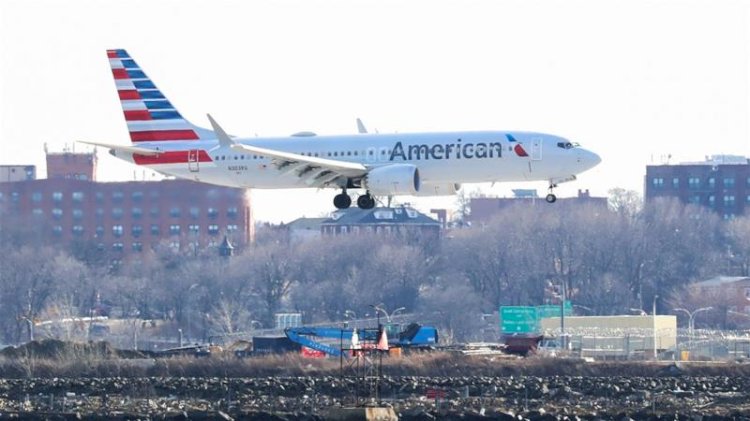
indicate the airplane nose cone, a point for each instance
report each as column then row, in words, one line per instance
column 589, row 159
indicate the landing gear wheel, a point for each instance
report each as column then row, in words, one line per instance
column 342, row 201
column 551, row 198
column 366, row 201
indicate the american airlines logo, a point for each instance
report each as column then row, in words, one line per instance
column 456, row 150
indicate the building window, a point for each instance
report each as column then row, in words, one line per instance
column 711, row 200
column 77, row 214
column 77, row 230
column 137, row 196
column 232, row 212
column 729, row 182
column 118, row 247
column 711, row 182
column 117, row 196
column 195, row 212
column 174, row 245
column 695, row 199
column 658, row 182
column 155, row 229
column 117, row 213
column 14, row 197
column 57, row 213
column 36, row 197
column 747, row 294
column 137, row 213
column 729, row 201
column 117, row 230
column 213, row 229
column 99, row 230
column 231, row 228
column 154, row 212
column 137, row 247
column 77, row 196
column 174, row 212
column 57, row 196
column 99, row 196
column 213, row 213
column 194, row 229
column 136, row 230
column 728, row 216
column 99, row 212
column 57, row 230
column 676, row 183
column 694, row 183
column 174, row 229
column 37, row 212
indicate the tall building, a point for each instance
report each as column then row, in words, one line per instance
column 720, row 183
column 125, row 218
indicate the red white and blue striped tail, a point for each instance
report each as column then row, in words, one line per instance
column 148, row 113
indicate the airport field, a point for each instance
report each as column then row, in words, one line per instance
column 94, row 382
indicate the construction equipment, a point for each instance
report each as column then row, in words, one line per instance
column 330, row 340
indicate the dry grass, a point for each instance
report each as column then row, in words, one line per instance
column 96, row 360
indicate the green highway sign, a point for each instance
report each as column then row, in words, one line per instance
column 519, row 319
column 546, row 311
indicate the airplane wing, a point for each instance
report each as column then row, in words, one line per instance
column 314, row 171
column 129, row 149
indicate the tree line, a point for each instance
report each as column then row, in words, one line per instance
column 610, row 261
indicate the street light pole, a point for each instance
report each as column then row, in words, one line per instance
column 563, row 340
column 691, row 320
column 653, row 315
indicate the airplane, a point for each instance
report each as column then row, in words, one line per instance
column 418, row 164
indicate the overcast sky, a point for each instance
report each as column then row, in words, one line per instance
column 634, row 81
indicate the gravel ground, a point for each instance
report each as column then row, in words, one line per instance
column 306, row 398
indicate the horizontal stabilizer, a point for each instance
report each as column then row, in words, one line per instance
column 129, row 149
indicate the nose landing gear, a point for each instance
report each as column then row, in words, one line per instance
column 551, row 198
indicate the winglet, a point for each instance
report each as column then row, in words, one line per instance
column 221, row 135
column 361, row 127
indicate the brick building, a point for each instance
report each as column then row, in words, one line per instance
column 484, row 208
column 126, row 218
column 720, row 183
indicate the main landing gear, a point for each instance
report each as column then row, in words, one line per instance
column 366, row 201
column 343, row 201
column 551, row 198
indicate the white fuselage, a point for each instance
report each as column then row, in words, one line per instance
column 442, row 158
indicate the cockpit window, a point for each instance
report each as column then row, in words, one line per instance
column 565, row 145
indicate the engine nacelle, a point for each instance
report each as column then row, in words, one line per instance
column 445, row 189
column 393, row 180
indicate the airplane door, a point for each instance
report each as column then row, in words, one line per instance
column 193, row 160
column 536, row 149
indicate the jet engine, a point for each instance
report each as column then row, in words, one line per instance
column 392, row 180
column 432, row 189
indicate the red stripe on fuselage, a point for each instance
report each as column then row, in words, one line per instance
column 163, row 135
column 120, row 74
column 173, row 157
column 135, row 115
column 129, row 94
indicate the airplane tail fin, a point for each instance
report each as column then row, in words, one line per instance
column 150, row 116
